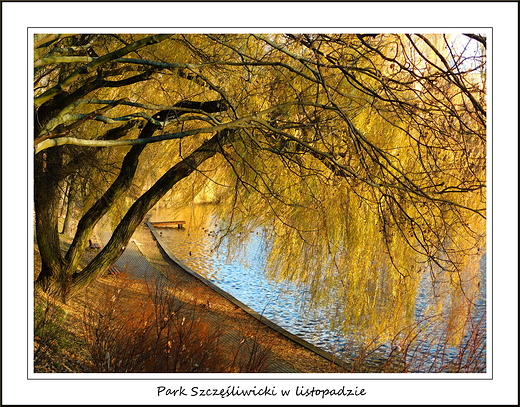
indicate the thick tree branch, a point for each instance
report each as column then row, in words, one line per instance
column 244, row 121
column 79, row 159
column 102, row 205
column 120, row 185
column 61, row 59
column 138, row 210
column 56, row 125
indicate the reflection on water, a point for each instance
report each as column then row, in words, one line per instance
column 201, row 247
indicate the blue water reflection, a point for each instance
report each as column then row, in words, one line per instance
column 243, row 275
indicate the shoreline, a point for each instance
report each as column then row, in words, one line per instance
column 290, row 354
column 264, row 320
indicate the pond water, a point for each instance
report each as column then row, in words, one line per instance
column 284, row 303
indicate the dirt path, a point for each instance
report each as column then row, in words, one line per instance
column 144, row 259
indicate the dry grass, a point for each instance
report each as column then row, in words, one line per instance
column 158, row 332
column 124, row 326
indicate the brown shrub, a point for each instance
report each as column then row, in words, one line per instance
column 158, row 332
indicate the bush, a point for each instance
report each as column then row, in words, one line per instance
column 157, row 332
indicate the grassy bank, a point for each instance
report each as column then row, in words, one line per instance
column 125, row 324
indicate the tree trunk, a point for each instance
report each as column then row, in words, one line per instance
column 140, row 208
column 46, row 207
column 70, row 207
column 61, row 272
column 64, row 201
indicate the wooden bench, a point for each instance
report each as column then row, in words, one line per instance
column 166, row 224
column 114, row 270
column 94, row 243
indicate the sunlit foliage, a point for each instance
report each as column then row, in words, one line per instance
column 361, row 157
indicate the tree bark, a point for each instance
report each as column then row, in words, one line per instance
column 46, row 207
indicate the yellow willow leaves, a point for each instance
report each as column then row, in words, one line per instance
column 410, row 147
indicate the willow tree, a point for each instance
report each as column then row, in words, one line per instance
column 363, row 156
